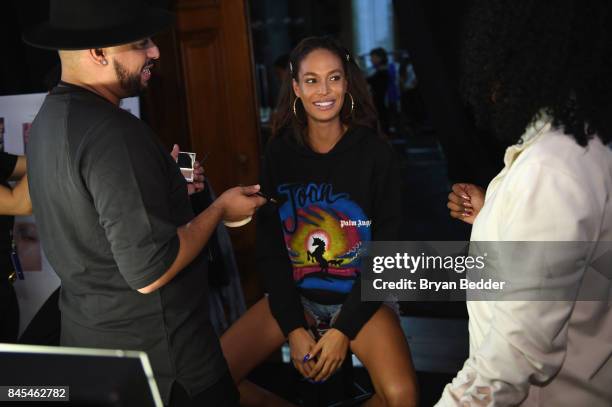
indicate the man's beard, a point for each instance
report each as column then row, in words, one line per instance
column 131, row 83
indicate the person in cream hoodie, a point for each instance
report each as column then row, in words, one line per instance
column 538, row 79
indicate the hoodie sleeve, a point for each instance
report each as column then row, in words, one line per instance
column 273, row 261
column 526, row 342
column 386, row 223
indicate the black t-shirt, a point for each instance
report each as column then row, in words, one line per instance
column 7, row 166
column 108, row 200
column 330, row 205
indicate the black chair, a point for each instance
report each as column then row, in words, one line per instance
column 354, row 393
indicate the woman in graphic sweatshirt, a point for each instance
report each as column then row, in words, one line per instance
column 335, row 186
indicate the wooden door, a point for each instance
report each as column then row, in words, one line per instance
column 203, row 98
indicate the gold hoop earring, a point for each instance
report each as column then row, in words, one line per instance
column 352, row 103
column 294, row 108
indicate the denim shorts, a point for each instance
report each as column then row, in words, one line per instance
column 325, row 315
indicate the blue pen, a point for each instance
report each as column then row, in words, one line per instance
column 16, row 262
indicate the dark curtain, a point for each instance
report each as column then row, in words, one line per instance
column 431, row 30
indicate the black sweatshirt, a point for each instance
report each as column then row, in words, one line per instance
column 341, row 200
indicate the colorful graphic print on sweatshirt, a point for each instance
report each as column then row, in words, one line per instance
column 324, row 233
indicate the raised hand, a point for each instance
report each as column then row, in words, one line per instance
column 465, row 201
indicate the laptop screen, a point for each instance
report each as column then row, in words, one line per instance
column 89, row 377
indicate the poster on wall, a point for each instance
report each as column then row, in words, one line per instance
column 16, row 115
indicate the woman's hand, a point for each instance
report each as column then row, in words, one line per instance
column 465, row 202
column 331, row 350
column 301, row 343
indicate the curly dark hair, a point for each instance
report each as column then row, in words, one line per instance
column 554, row 55
column 364, row 113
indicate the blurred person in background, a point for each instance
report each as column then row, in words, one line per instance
column 379, row 85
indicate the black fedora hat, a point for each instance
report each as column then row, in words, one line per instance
column 85, row 24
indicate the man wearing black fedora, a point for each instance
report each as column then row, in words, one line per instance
column 112, row 207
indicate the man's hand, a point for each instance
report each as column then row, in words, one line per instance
column 239, row 203
column 465, row 202
column 198, row 173
column 198, row 179
column 331, row 350
column 300, row 344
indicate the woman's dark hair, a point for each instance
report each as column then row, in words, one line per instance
column 552, row 55
column 364, row 112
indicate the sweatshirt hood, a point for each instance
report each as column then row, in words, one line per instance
column 351, row 137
